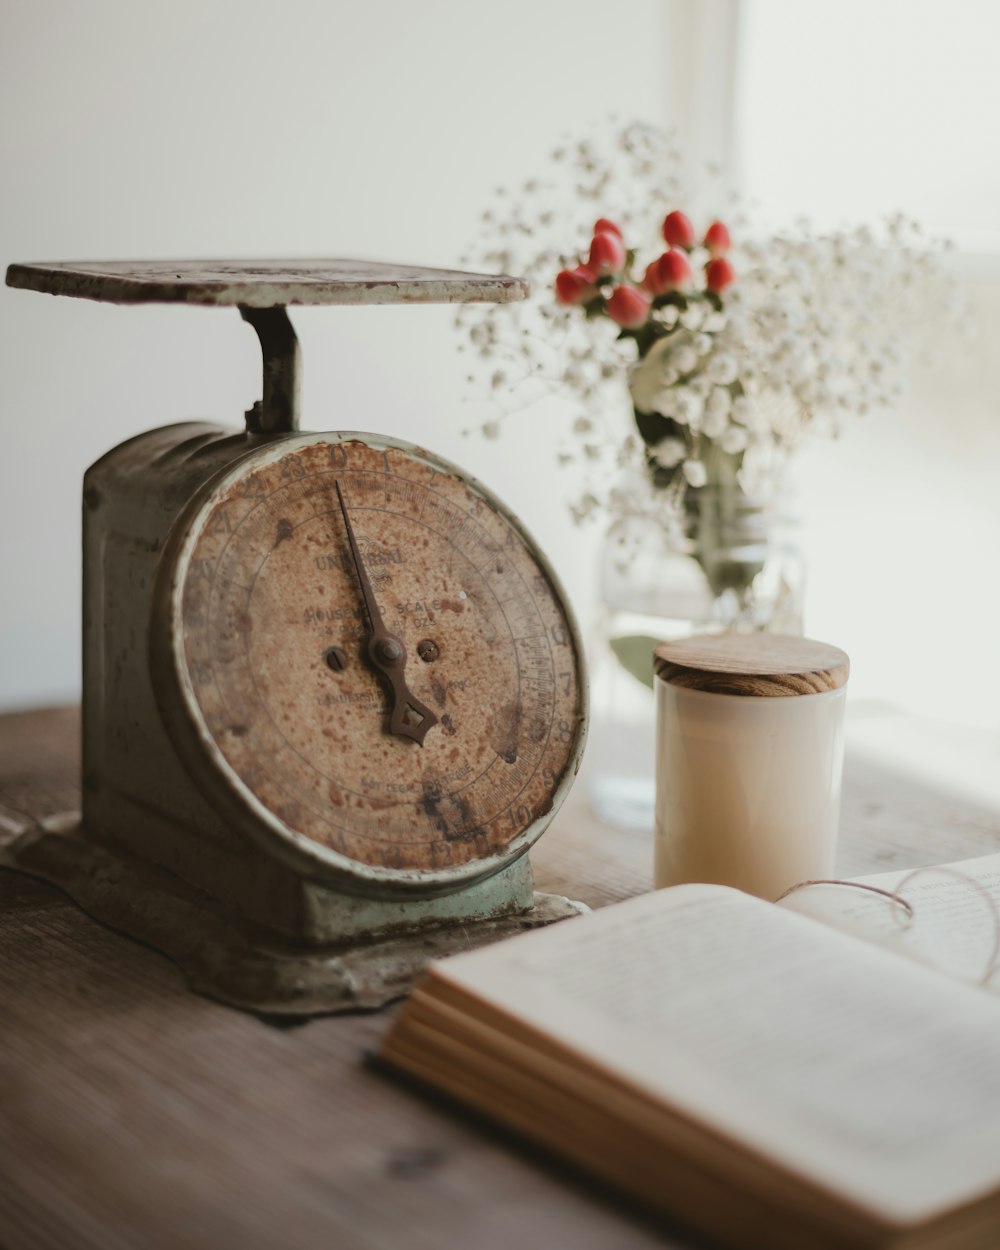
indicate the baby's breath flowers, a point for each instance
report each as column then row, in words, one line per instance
column 728, row 346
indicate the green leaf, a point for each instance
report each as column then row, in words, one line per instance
column 635, row 654
column 648, row 334
column 675, row 298
column 652, row 427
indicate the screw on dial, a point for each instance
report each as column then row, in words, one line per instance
column 409, row 717
column 336, row 659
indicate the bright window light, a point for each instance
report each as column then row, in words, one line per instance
column 852, row 110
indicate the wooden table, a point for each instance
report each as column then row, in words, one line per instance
column 134, row 1114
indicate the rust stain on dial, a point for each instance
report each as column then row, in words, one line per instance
column 270, row 588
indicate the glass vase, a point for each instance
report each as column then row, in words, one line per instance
column 721, row 561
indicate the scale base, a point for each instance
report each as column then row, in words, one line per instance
column 234, row 960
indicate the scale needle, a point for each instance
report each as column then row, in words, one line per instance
column 410, row 718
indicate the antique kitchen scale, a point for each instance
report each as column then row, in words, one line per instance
column 332, row 690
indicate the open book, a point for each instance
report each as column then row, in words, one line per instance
column 775, row 1079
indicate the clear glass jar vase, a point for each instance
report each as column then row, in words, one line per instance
column 720, row 561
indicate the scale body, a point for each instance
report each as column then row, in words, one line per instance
column 298, row 820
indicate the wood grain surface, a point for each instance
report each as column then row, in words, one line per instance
column 135, row 1114
column 755, row 665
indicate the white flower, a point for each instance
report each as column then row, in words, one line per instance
column 693, row 317
column 734, row 440
column 585, row 508
column 666, row 403
column 668, row 315
column 684, row 357
column 823, row 397
column 722, row 368
column 687, row 407
column 742, row 409
column 668, row 453
column 719, row 401
column 702, row 344
column 694, row 472
column 713, row 423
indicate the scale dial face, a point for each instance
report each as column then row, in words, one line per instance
column 280, row 689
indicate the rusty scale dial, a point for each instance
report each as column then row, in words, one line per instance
column 368, row 663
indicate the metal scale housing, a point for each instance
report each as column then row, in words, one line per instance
column 149, row 854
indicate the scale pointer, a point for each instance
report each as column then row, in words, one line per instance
column 410, row 718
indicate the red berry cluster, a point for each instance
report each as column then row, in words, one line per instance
column 629, row 304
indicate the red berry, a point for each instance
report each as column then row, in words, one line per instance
column 719, row 274
column 678, row 231
column 717, row 239
column 651, row 278
column 604, row 225
column 673, row 270
column 573, row 286
column 628, row 306
column 607, row 253
column 669, row 272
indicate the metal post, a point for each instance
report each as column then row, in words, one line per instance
column 278, row 411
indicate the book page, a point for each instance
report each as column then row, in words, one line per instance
column 850, row 1066
column 954, row 922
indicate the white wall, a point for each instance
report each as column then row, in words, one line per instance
column 380, row 129
column 237, row 127
column 848, row 112
column 902, row 526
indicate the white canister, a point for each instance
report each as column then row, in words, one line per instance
column 749, row 754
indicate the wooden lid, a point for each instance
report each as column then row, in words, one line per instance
column 757, row 665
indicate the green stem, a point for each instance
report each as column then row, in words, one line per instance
column 717, row 514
